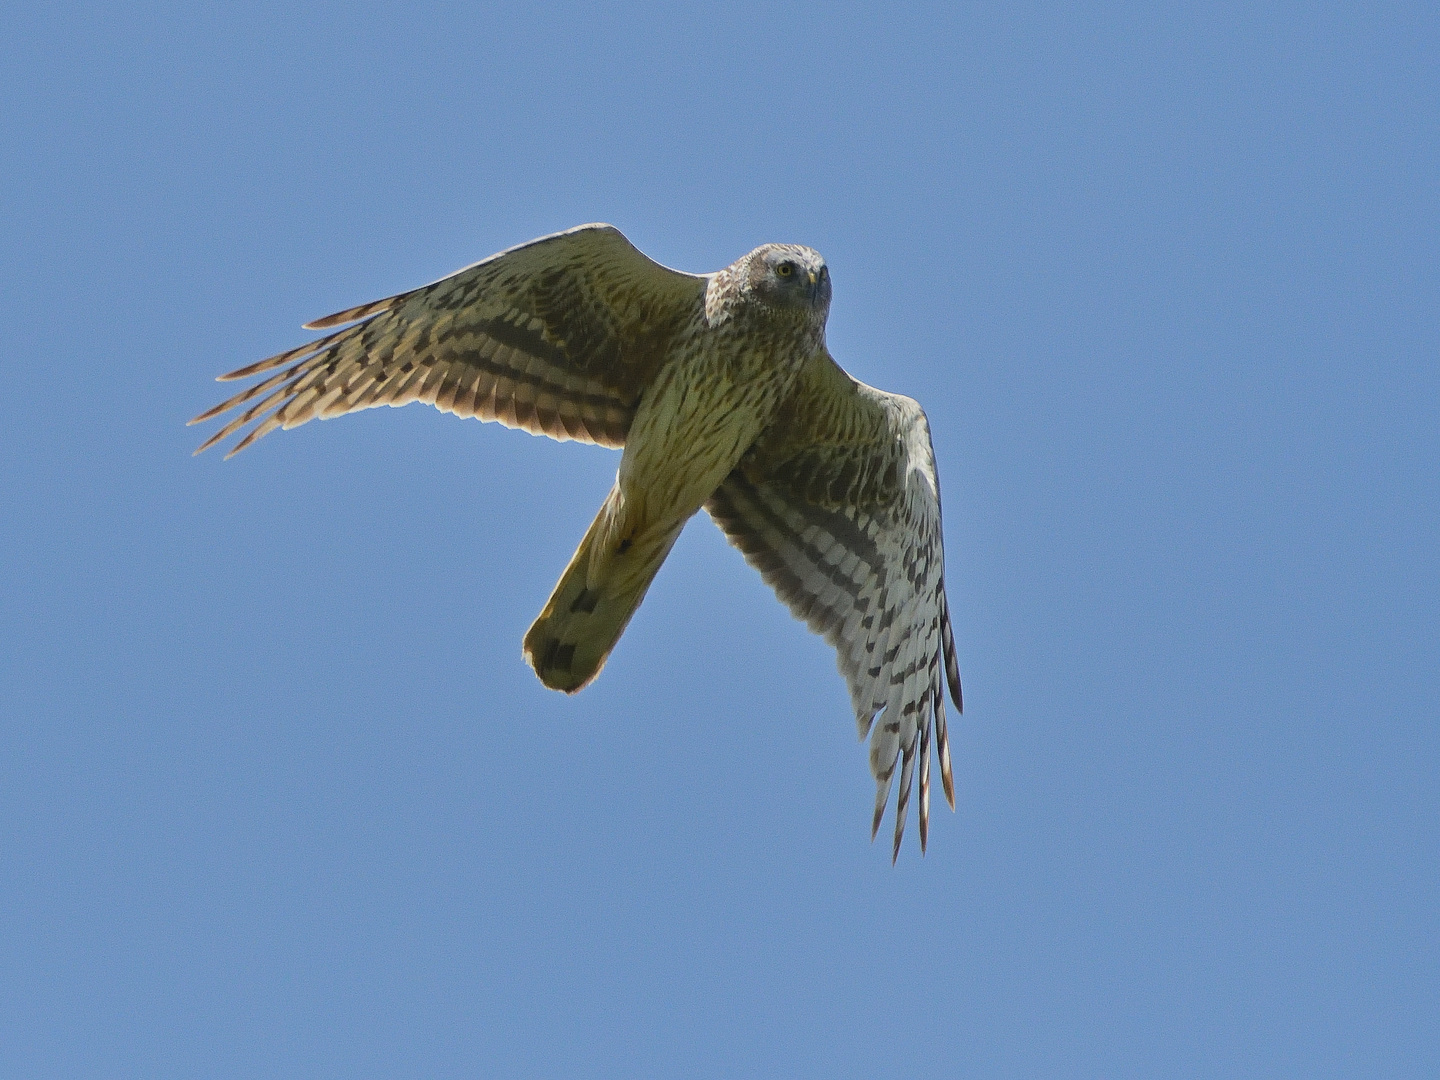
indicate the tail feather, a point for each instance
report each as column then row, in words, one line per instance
column 608, row 576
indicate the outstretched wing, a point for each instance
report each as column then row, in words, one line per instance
column 838, row 507
column 557, row 336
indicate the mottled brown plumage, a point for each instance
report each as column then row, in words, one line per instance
column 722, row 394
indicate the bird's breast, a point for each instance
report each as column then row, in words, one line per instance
column 706, row 407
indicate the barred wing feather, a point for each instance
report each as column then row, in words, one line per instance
column 838, row 507
column 557, row 336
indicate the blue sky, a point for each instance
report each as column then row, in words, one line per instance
column 279, row 795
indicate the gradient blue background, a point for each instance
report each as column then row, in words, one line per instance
column 278, row 796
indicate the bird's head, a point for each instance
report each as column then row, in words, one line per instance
column 775, row 280
column 789, row 276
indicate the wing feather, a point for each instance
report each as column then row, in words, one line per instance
column 557, row 337
column 838, row 507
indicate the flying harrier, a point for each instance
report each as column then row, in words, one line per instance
column 722, row 393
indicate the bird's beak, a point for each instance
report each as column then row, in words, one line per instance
column 812, row 277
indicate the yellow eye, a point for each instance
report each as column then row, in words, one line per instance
column 785, row 269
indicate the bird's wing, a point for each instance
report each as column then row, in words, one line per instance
column 838, row 507
column 557, row 336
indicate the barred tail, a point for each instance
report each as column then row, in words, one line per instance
column 608, row 575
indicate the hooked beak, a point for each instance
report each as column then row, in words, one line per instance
column 818, row 284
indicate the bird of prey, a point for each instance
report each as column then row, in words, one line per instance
column 722, row 394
